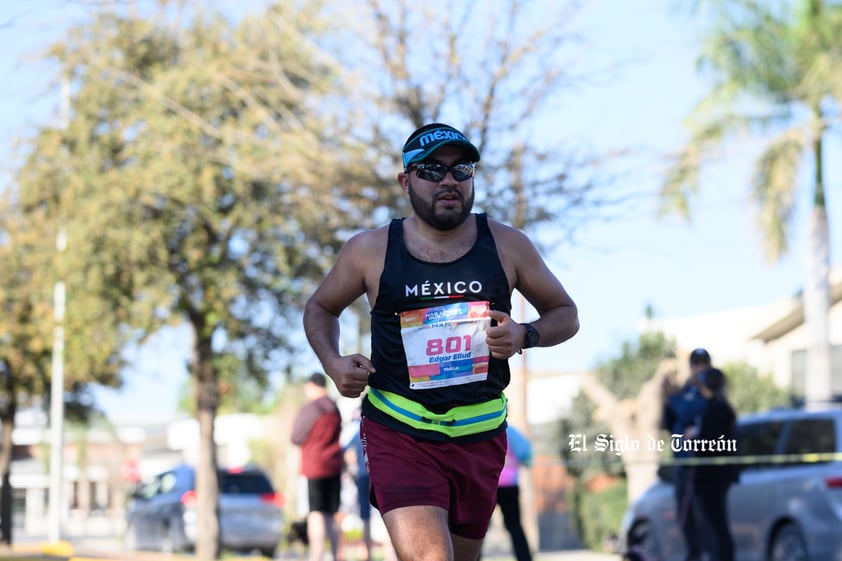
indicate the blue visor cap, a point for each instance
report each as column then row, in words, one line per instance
column 427, row 140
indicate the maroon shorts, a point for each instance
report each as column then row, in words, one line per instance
column 460, row 478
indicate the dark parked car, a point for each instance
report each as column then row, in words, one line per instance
column 163, row 515
column 787, row 504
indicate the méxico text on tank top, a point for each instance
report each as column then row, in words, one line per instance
column 428, row 324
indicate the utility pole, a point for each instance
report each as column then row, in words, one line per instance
column 518, row 390
column 56, row 502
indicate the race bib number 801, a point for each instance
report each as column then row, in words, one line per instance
column 445, row 345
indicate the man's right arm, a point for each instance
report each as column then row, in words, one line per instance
column 343, row 284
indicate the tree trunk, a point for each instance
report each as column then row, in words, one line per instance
column 83, row 482
column 207, row 486
column 518, row 418
column 819, row 381
column 636, row 422
column 7, row 417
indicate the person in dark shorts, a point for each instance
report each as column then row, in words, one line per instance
column 316, row 429
column 439, row 283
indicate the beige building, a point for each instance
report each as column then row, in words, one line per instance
column 102, row 467
column 772, row 337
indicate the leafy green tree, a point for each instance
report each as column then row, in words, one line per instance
column 14, row 348
column 28, row 331
column 625, row 375
column 599, row 513
column 621, row 401
column 749, row 391
column 612, row 403
column 201, row 183
column 775, row 76
column 238, row 393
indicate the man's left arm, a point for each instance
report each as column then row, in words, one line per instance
column 558, row 316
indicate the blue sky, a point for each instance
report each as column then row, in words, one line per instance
column 616, row 268
column 713, row 263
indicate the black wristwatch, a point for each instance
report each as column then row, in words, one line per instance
column 532, row 336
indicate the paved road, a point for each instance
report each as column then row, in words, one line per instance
column 576, row 555
column 496, row 548
column 104, row 551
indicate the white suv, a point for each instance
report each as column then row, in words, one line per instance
column 787, row 504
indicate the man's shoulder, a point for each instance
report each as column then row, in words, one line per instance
column 508, row 236
column 373, row 240
column 501, row 227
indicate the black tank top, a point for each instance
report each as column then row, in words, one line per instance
column 407, row 283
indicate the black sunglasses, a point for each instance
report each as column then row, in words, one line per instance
column 436, row 172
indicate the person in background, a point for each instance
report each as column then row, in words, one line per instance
column 352, row 447
column 316, row 430
column 347, row 507
column 683, row 408
column 712, row 481
column 518, row 453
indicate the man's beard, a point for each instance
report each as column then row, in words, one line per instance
column 442, row 220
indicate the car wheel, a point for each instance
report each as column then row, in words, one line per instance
column 268, row 552
column 167, row 544
column 130, row 539
column 643, row 538
column 788, row 545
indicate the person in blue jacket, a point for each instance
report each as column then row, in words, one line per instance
column 683, row 409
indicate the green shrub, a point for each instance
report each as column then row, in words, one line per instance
column 598, row 513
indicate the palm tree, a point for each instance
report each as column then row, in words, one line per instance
column 775, row 69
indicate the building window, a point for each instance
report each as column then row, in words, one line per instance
column 836, row 368
column 759, row 439
column 798, row 368
column 810, row 436
column 18, row 508
column 100, row 494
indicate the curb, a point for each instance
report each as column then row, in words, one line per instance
column 53, row 549
column 65, row 550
